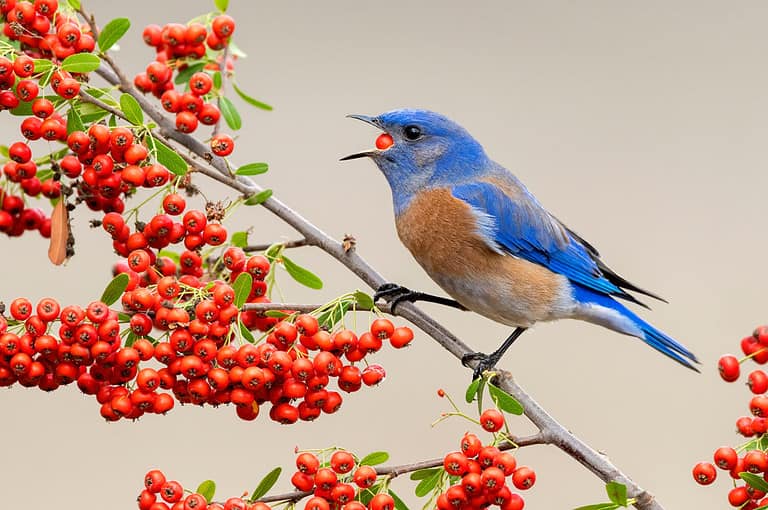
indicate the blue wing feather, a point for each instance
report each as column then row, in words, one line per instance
column 526, row 230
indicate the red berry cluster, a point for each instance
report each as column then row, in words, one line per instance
column 480, row 474
column 162, row 494
column 752, row 465
column 86, row 348
column 42, row 31
column 342, row 483
column 174, row 43
column 196, row 229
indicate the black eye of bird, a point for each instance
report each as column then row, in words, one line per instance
column 412, row 132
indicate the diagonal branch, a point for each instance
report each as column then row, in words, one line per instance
column 217, row 168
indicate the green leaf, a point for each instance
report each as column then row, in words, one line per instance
column 207, row 489
column 183, row 76
column 252, row 169
column 168, row 157
column 246, row 333
column 302, row 275
column 248, row 99
column 617, row 493
column 259, row 197
column 427, row 484
column 75, row 4
column 131, row 109
column 74, row 122
column 42, row 65
column 755, row 481
column 764, row 507
column 221, row 5
column 242, row 287
column 507, row 402
column 240, row 239
column 4, row 152
column 374, row 458
column 130, row 338
column 115, row 289
column 399, row 503
column 171, row 255
column 112, row 32
column 266, row 483
column 277, row 314
column 472, row 390
column 217, row 80
column 422, row 474
column 81, row 63
column 363, row 300
column 231, row 116
column 599, row 506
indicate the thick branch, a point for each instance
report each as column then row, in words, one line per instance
column 218, row 169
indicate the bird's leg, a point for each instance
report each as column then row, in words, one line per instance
column 395, row 294
column 488, row 361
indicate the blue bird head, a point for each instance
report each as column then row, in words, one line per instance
column 427, row 150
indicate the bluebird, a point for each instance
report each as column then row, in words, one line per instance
column 485, row 239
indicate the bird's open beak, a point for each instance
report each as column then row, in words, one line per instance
column 369, row 153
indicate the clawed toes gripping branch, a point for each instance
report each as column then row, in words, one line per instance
column 196, row 322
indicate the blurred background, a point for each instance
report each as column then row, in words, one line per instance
column 641, row 125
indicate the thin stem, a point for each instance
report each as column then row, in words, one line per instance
column 223, row 72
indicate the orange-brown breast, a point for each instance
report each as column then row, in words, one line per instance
column 442, row 234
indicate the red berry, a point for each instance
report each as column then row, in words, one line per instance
column 524, row 478
column 729, row 368
column 726, row 458
column 364, row 477
column 223, row 26
column 757, row 382
column 384, row 142
column 342, row 462
column 704, row 473
column 222, row 145
column 738, row 496
column 455, row 463
column 491, row 420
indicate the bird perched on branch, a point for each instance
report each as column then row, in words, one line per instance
column 485, row 239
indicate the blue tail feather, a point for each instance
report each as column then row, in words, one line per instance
column 650, row 335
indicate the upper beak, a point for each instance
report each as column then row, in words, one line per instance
column 373, row 121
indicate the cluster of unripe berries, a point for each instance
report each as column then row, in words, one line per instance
column 753, row 460
column 479, row 473
column 174, row 44
column 162, row 494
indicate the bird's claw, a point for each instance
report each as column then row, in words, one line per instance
column 394, row 294
column 484, row 362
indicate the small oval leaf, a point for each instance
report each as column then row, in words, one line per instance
column 168, row 157
column 302, row 275
column 230, row 113
column 74, row 122
column 427, row 484
column 242, row 288
column 266, row 483
column 240, row 239
column 617, row 493
column 506, row 402
column 221, row 5
column 755, row 481
column 421, row 474
column 115, row 289
column 374, row 459
column 399, row 503
column 259, row 198
column 252, row 169
column 363, row 300
column 246, row 333
column 131, row 109
column 472, row 389
column 248, row 99
column 42, row 65
column 207, row 489
column 81, row 63
column 599, row 506
column 112, row 32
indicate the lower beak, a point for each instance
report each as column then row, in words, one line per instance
column 373, row 121
column 364, row 154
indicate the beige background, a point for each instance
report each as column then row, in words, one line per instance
column 642, row 125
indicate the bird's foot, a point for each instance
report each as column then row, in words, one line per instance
column 484, row 362
column 394, row 294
